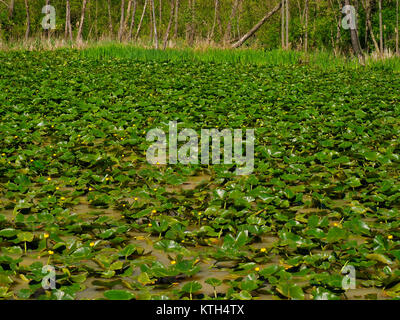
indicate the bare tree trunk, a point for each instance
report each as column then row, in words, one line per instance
column 283, row 24
column 381, row 44
column 397, row 28
column 228, row 31
column 151, row 22
column 127, row 15
column 48, row 31
column 122, row 21
column 338, row 18
column 367, row 7
column 11, row 9
column 68, row 26
column 306, row 27
column 141, row 20
column 211, row 34
column 132, row 20
column 28, row 21
column 79, row 36
column 160, row 17
column 355, row 42
column 110, row 24
column 190, row 28
column 257, row 26
column 154, row 24
column 171, row 17
column 287, row 23
column 176, row 19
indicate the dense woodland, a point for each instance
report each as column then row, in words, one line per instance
column 288, row 24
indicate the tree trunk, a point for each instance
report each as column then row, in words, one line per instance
column 397, row 28
column 11, row 9
column 127, row 15
column 28, row 21
column 110, row 24
column 355, row 42
column 381, row 44
column 68, row 27
column 154, row 25
column 160, row 17
column 257, row 26
column 190, row 28
column 306, row 27
column 211, row 34
column 132, row 20
column 287, row 24
column 283, row 24
column 82, row 21
column 171, row 17
column 122, row 21
column 48, row 30
column 141, row 20
column 228, row 31
column 176, row 19
column 367, row 8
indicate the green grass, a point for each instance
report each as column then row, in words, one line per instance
column 321, row 59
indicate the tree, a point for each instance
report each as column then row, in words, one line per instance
column 212, row 32
column 228, row 31
column 132, row 20
column 68, row 27
column 141, row 19
column 381, row 44
column 154, row 24
column 171, row 17
column 257, row 26
column 355, row 42
column 176, row 19
column 306, row 26
column 110, row 24
column 283, row 24
column 28, row 21
column 128, row 12
column 79, row 36
column 367, row 8
column 122, row 21
column 397, row 28
column 11, row 9
column 287, row 23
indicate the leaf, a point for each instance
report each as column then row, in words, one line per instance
column 118, row 295
column 379, row 257
column 25, row 236
column 191, row 287
column 213, row 282
column 144, row 278
column 291, row 291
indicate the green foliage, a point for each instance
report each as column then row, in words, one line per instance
column 77, row 192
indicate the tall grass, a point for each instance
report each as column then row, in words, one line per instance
column 321, row 59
